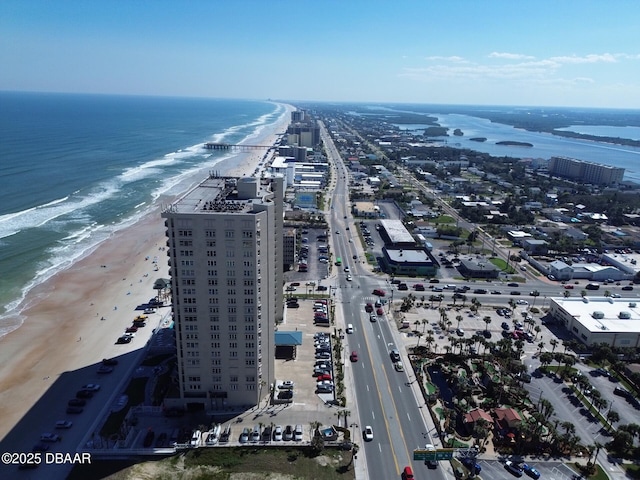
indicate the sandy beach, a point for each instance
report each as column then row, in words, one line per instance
column 74, row 319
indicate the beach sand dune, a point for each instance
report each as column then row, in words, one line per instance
column 73, row 320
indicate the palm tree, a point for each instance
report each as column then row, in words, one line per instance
column 569, row 428
column 339, row 415
column 540, row 347
column 354, row 453
column 459, row 319
column 613, row 417
column 566, row 294
column 345, row 414
column 554, row 343
column 537, row 329
column 569, row 361
column 487, row 321
column 429, row 340
column 425, row 322
column 512, row 304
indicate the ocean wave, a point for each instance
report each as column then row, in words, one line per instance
column 75, row 216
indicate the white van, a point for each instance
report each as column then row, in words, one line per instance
column 349, row 328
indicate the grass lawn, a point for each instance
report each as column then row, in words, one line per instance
column 443, row 219
column 502, row 265
column 297, row 462
column 221, row 463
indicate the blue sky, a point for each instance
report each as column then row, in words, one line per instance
column 493, row 52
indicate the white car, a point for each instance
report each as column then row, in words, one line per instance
column 297, row 433
column 286, row 385
column 277, row 433
column 349, row 278
column 92, row 387
column 64, row 424
column 368, row 433
column 50, row 437
column 522, row 302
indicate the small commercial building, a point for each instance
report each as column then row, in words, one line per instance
column 594, row 320
column 395, row 234
column 471, row 269
column 409, row 261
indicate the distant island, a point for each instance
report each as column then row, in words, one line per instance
column 436, row 132
column 478, row 139
column 457, row 132
column 515, row 144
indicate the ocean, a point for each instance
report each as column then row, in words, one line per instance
column 76, row 168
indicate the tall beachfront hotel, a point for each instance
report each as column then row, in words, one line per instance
column 225, row 254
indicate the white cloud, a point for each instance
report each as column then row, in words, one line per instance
column 510, row 56
column 453, row 58
column 591, row 58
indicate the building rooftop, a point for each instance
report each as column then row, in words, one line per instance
column 397, row 231
column 604, row 314
column 221, row 195
column 407, row 255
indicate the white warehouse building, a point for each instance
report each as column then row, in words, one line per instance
column 594, row 320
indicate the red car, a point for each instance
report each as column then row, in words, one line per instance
column 568, row 287
column 354, row 356
column 379, row 292
column 380, row 311
column 131, row 329
column 368, row 308
column 324, row 376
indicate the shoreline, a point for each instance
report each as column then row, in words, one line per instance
column 62, row 328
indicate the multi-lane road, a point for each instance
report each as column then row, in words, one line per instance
column 385, row 399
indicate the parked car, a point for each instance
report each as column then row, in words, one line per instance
column 64, row 424
column 84, row 394
column 288, row 433
column 473, row 467
column 529, row 470
column 244, row 435
column 297, row 433
column 255, row 434
column 513, row 468
column 92, row 387
column 277, row 433
column 50, row 437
